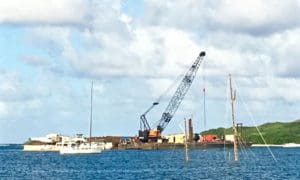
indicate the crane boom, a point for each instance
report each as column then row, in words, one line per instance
column 144, row 123
column 145, row 132
column 180, row 92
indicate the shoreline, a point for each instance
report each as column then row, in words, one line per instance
column 267, row 145
column 287, row 145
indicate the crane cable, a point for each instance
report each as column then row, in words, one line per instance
column 255, row 124
column 166, row 92
column 176, row 81
column 169, row 88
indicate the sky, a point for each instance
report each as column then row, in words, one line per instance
column 133, row 50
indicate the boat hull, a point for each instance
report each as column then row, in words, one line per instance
column 91, row 151
column 79, row 151
column 203, row 145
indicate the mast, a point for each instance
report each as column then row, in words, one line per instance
column 204, row 97
column 232, row 97
column 186, row 142
column 91, row 111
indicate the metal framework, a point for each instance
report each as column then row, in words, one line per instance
column 174, row 103
column 180, row 93
column 144, row 125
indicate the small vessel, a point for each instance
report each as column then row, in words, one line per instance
column 291, row 145
column 81, row 147
column 45, row 143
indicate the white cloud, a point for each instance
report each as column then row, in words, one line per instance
column 14, row 89
column 257, row 17
column 10, row 85
column 120, row 48
column 163, row 52
column 111, row 45
column 98, row 48
column 253, row 17
column 256, row 41
column 159, row 51
column 57, row 12
column 284, row 49
column 3, row 110
column 35, row 60
column 51, row 39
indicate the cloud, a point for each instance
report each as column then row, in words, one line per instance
column 162, row 54
column 164, row 45
column 133, row 60
column 285, row 54
column 35, row 60
column 50, row 39
column 3, row 110
column 98, row 48
column 110, row 44
column 13, row 89
column 256, row 17
column 55, row 12
column 250, row 17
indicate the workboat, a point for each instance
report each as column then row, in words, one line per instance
column 82, row 147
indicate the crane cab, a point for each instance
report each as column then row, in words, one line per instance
column 149, row 135
column 153, row 133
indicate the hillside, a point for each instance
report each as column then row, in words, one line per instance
column 274, row 133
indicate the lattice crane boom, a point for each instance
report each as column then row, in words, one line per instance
column 145, row 132
column 180, row 93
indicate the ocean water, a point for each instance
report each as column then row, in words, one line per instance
column 254, row 163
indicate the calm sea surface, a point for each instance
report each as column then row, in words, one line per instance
column 254, row 163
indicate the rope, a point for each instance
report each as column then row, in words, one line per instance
column 169, row 88
column 176, row 81
column 255, row 124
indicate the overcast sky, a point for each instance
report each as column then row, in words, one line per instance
column 51, row 50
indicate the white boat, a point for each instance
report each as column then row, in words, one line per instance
column 291, row 145
column 82, row 147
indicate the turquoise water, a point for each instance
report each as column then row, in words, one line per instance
column 254, row 163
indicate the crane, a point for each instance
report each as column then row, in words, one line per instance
column 146, row 133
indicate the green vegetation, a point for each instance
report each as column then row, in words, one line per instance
column 273, row 133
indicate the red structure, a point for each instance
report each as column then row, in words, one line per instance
column 209, row 137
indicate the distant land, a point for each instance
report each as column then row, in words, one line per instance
column 273, row 133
